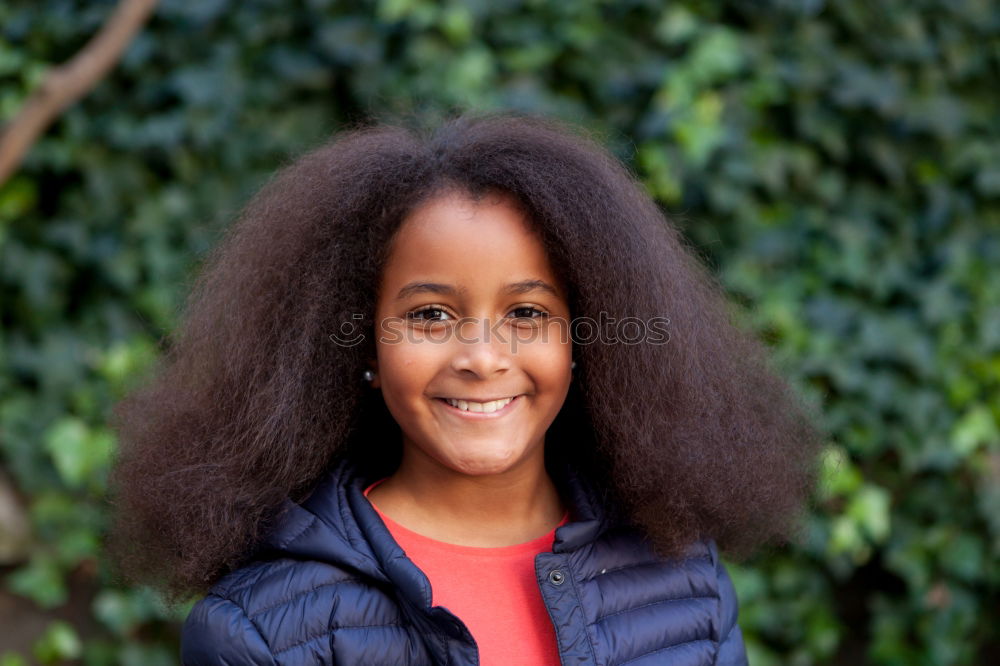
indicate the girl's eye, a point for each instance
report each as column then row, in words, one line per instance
column 427, row 314
column 433, row 313
column 532, row 313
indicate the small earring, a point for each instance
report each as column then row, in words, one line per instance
column 572, row 366
column 368, row 375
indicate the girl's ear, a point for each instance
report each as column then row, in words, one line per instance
column 375, row 379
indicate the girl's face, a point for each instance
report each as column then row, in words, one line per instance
column 469, row 311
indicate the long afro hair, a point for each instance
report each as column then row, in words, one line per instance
column 254, row 399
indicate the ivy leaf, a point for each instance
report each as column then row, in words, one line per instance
column 79, row 453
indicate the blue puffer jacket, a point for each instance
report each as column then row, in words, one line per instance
column 334, row 588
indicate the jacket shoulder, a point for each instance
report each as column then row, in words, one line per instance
column 278, row 611
column 672, row 611
column 217, row 632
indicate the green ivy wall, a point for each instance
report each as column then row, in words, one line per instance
column 836, row 163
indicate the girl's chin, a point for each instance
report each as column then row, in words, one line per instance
column 482, row 465
column 476, row 456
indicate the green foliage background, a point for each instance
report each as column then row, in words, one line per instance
column 837, row 164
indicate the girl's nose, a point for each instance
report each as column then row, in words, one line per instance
column 481, row 348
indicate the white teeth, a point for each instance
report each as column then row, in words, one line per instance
column 487, row 407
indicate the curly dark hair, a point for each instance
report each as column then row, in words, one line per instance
column 253, row 400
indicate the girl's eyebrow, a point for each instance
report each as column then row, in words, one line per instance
column 522, row 287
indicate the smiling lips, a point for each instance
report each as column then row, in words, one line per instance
column 471, row 407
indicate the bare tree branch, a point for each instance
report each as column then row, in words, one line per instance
column 67, row 83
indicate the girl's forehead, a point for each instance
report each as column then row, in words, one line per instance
column 456, row 232
column 454, row 238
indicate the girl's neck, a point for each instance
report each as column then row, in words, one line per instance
column 483, row 511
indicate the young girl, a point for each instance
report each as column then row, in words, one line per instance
column 462, row 398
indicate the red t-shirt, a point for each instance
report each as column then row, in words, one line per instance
column 492, row 590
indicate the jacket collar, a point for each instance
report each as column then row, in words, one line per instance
column 337, row 524
column 588, row 515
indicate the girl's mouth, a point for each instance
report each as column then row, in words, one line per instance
column 478, row 410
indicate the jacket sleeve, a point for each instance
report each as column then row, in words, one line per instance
column 731, row 652
column 218, row 632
